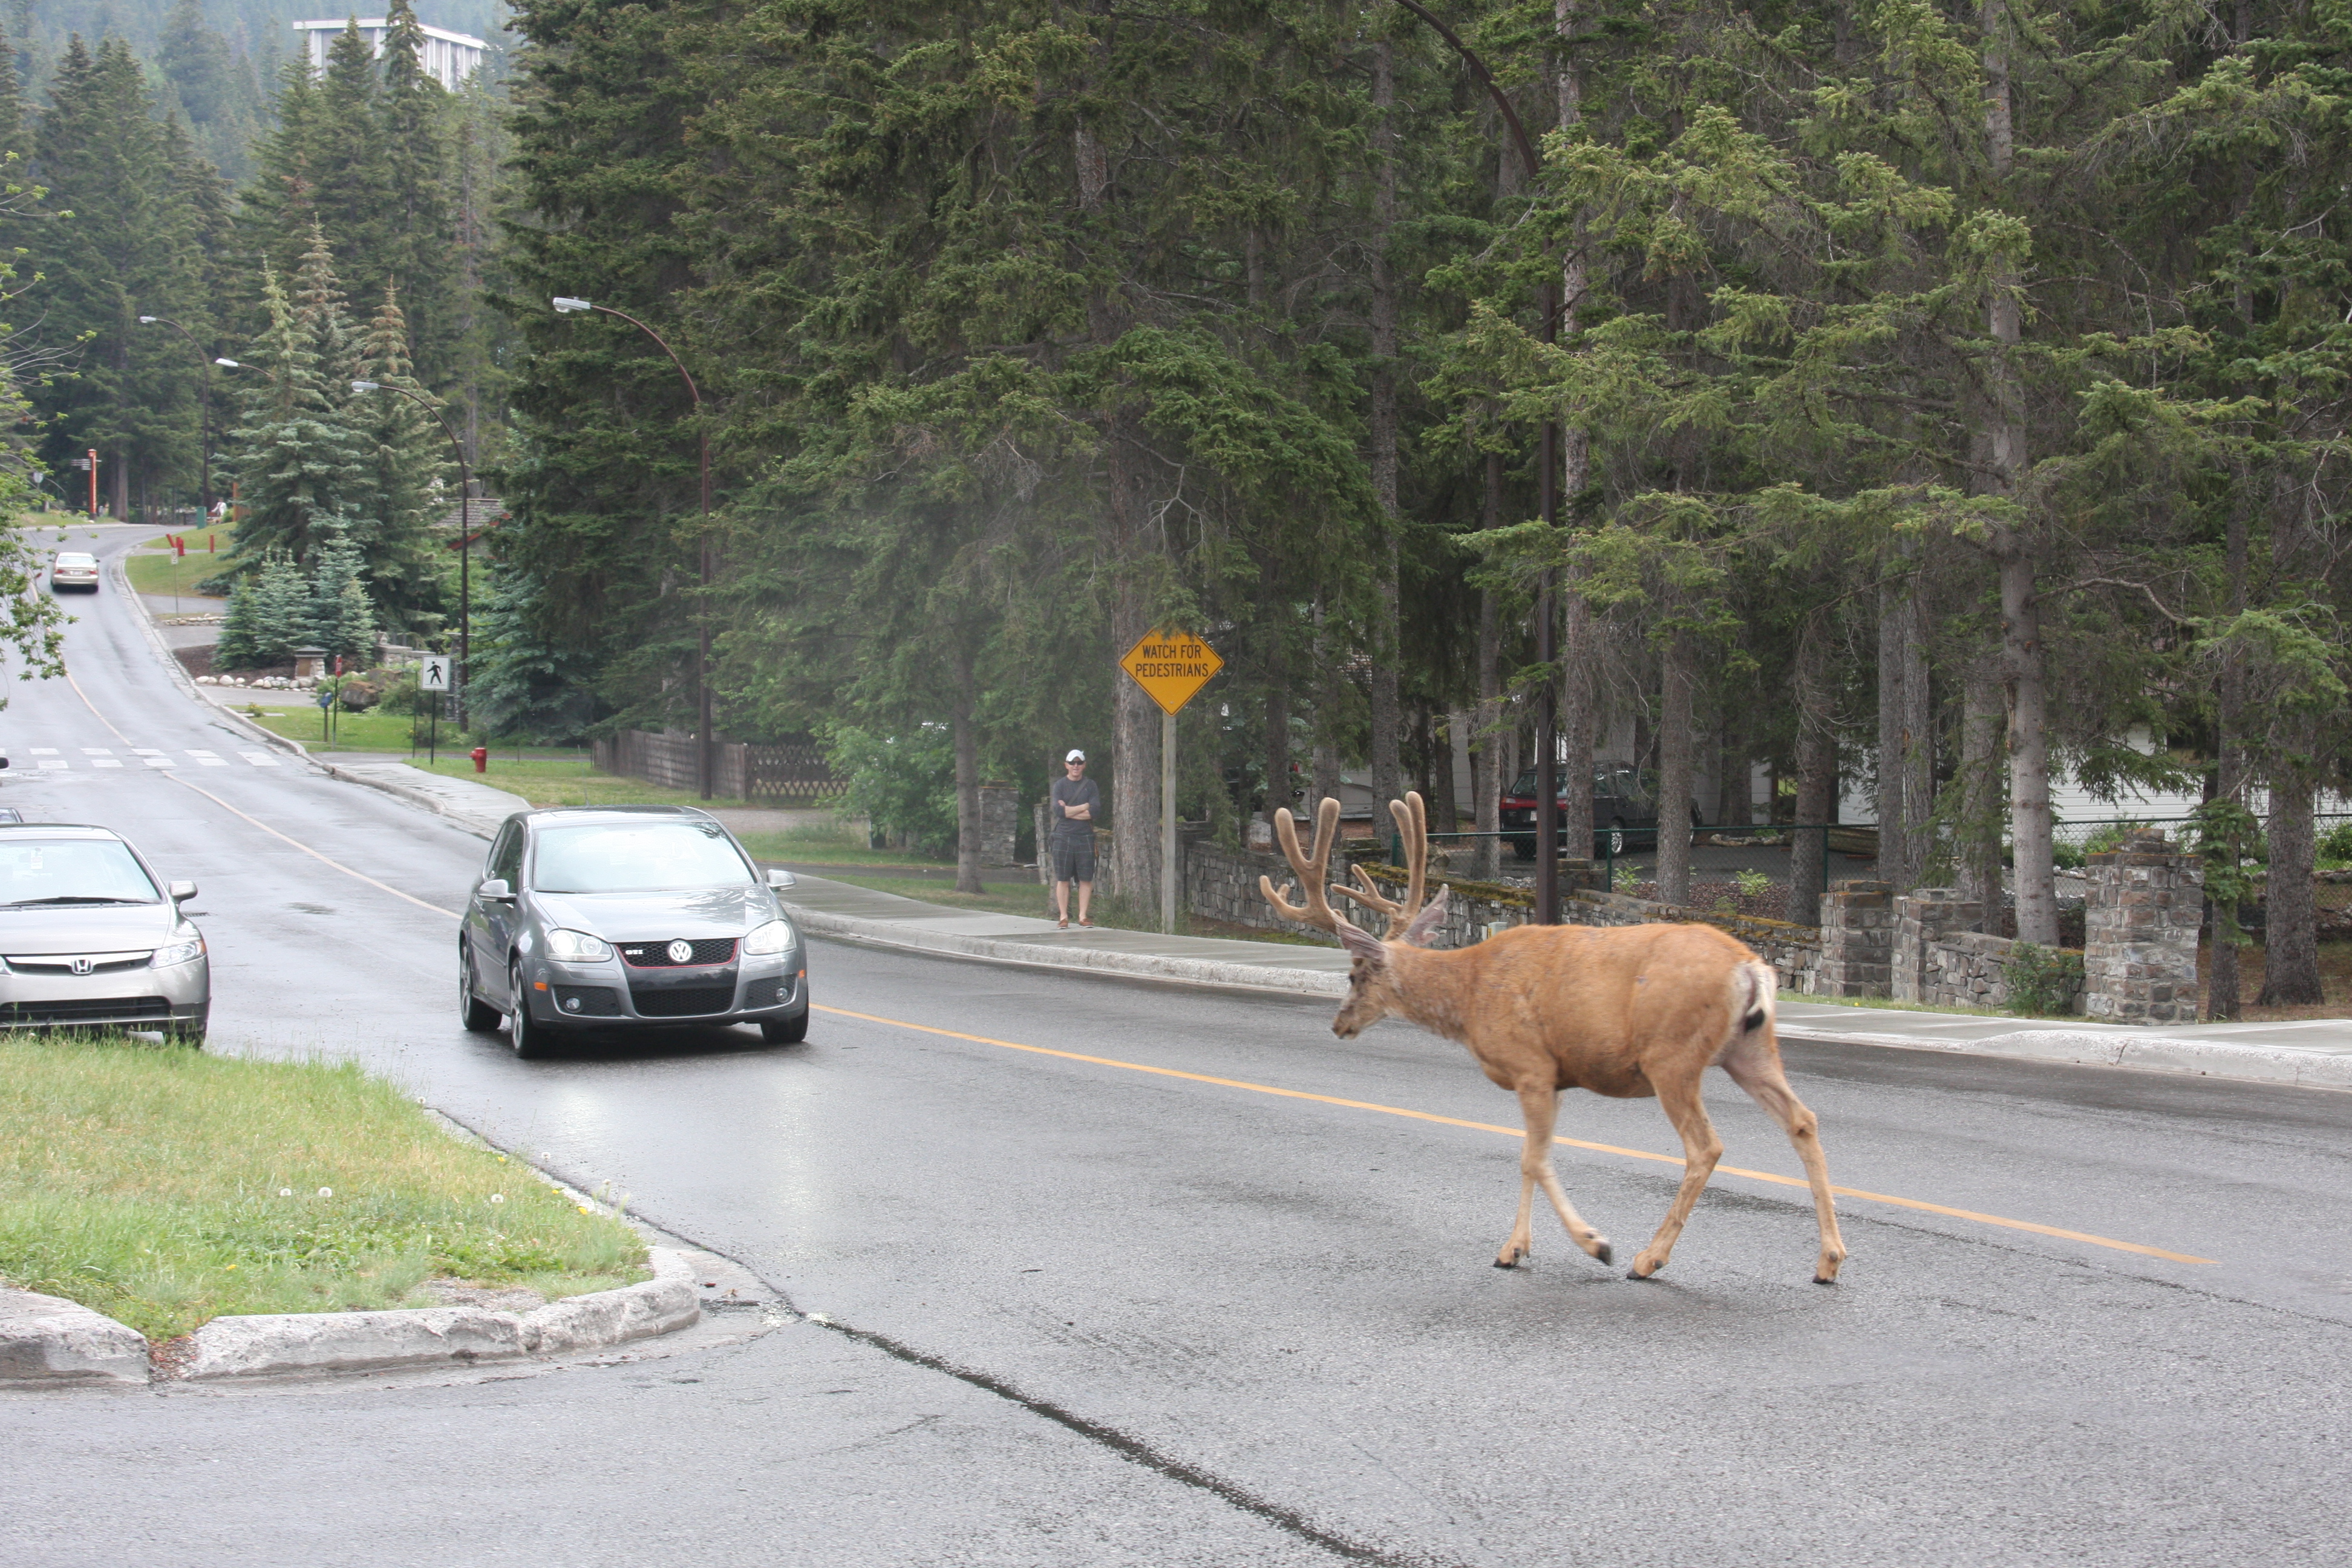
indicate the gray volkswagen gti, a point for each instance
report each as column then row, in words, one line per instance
column 626, row 917
column 92, row 939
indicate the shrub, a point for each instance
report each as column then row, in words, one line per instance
column 2041, row 980
column 399, row 690
column 902, row 784
column 2336, row 844
column 1752, row 883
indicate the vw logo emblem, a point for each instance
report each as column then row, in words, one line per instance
column 680, row 951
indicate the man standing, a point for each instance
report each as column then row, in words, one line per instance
column 1075, row 799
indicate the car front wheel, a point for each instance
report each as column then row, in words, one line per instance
column 784, row 1031
column 190, row 1031
column 525, row 1034
column 480, row 1016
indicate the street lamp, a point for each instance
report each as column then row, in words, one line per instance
column 465, row 534
column 203, row 406
column 704, row 756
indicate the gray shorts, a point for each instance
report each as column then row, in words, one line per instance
column 1074, row 859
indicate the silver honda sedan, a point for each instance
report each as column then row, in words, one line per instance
column 93, row 939
column 625, row 917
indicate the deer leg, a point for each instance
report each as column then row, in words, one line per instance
column 1757, row 1069
column 1541, row 1107
column 1701, row 1149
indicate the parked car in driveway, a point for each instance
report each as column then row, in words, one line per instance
column 91, row 938
column 626, row 917
column 1624, row 810
column 73, row 569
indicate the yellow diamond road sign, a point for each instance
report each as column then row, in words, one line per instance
column 1171, row 666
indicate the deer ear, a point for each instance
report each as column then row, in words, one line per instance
column 1362, row 943
column 1425, row 924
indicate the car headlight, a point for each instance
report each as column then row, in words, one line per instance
column 186, row 951
column 768, row 940
column 577, row 947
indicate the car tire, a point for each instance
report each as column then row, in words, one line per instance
column 190, row 1031
column 784, row 1031
column 1525, row 848
column 530, row 1038
column 480, row 1016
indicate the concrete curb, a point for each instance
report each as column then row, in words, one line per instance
column 45, row 1340
column 1095, row 961
column 2151, row 1053
column 301, row 1343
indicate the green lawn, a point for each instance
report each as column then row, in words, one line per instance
column 164, row 1188
column 566, row 781
column 170, row 574
column 352, row 732
column 1012, row 891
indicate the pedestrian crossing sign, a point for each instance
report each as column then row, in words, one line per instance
column 435, row 674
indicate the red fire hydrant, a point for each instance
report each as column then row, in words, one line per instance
column 481, row 756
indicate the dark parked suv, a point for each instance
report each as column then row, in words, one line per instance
column 1624, row 810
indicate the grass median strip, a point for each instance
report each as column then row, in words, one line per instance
column 166, row 1187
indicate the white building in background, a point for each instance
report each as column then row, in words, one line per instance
column 449, row 58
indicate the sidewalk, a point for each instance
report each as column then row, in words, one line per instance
column 2314, row 1053
column 477, row 807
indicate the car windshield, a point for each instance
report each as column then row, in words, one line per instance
column 67, row 559
column 635, row 857
column 1602, row 779
column 72, row 871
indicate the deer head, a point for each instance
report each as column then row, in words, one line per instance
column 1373, row 987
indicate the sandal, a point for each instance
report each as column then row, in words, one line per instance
column 1088, row 924
column 1064, row 923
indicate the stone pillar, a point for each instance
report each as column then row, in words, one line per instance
column 1857, row 939
column 2140, row 916
column 999, row 823
column 1923, row 917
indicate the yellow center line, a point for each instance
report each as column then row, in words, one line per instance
column 1950, row 1213
column 257, row 822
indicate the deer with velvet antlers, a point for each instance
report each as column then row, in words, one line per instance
column 1626, row 1011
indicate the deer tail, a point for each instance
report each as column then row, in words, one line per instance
column 1754, row 987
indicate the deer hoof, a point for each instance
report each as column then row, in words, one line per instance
column 1601, row 1253
column 1510, row 1256
column 1824, row 1279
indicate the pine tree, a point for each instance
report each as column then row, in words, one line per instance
column 341, row 619
column 412, row 483
column 301, row 465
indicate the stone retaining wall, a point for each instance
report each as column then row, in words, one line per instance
column 2140, row 917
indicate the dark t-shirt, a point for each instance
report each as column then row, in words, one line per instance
column 1078, row 792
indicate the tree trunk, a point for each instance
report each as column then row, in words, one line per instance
column 1977, row 835
column 1386, row 772
column 1578, row 696
column 966, row 734
column 1675, row 747
column 1486, row 746
column 1277, row 701
column 2223, row 983
column 1895, row 857
column 1816, row 784
column 2290, row 934
column 1918, row 731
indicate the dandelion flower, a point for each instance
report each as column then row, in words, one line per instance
column 326, row 1192
column 285, row 1192
column 584, row 1208
column 498, row 1197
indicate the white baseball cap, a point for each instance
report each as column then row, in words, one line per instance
column 1075, row 756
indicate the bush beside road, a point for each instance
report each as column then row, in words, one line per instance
column 165, row 1187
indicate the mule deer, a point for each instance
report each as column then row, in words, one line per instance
column 1623, row 1011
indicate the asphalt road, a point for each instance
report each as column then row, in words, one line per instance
column 1138, row 1310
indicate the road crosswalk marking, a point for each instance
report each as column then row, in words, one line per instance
column 48, row 760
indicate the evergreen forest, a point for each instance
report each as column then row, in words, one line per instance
column 1917, row 403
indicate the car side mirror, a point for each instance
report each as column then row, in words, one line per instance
column 780, row 877
column 4, row 762
column 183, row 891
column 495, row 891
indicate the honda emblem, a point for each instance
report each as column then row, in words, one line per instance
column 84, row 965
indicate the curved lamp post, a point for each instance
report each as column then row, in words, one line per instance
column 704, row 757
column 465, row 534
column 204, row 404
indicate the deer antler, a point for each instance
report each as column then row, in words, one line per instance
column 1311, row 871
column 1413, row 828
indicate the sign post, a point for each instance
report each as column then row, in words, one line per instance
column 432, row 676
column 1171, row 667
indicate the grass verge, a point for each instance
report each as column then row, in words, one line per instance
column 171, row 574
column 564, row 780
column 838, row 844
column 1015, row 892
column 165, row 1187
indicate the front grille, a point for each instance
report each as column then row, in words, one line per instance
column 94, row 1009
column 655, row 955
column 587, row 1001
column 62, row 963
column 683, row 1001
